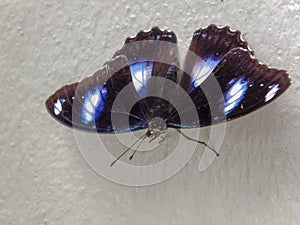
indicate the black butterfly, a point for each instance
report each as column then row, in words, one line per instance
column 219, row 54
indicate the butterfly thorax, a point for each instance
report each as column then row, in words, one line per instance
column 156, row 127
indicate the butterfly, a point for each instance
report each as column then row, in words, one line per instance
column 219, row 81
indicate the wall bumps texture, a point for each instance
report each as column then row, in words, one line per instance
column 44, row 179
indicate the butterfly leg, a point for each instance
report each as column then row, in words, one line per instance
column 162, row 139
column 200, row 142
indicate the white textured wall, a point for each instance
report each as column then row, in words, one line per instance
column 44, row 179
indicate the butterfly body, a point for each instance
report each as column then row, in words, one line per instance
column 144, row 81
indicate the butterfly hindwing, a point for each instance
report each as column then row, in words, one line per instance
column 153, row 63
column 150, row 53
column 208, row 47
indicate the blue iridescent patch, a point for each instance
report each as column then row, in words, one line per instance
column 273, row 89
column 141, row 73
column 58, row 106
column 203, row 68
column 93, row 104
column 235, row 94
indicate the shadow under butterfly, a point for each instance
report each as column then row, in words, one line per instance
column 218, row 54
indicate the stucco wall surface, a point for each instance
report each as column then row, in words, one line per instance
column 45, row 180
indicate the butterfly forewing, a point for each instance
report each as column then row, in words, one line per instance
column 87, row 105
column 237, row 86
column 246, row 84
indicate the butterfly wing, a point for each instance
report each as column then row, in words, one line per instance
column 247, row 84
column 87, row 105
column 151, row 53
column 90, row 104
column 208, row 47
column 237, row 86
column 153, row 65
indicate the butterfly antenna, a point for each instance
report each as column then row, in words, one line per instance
column 143, row 138
column 200, row 142
column 120, row 156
